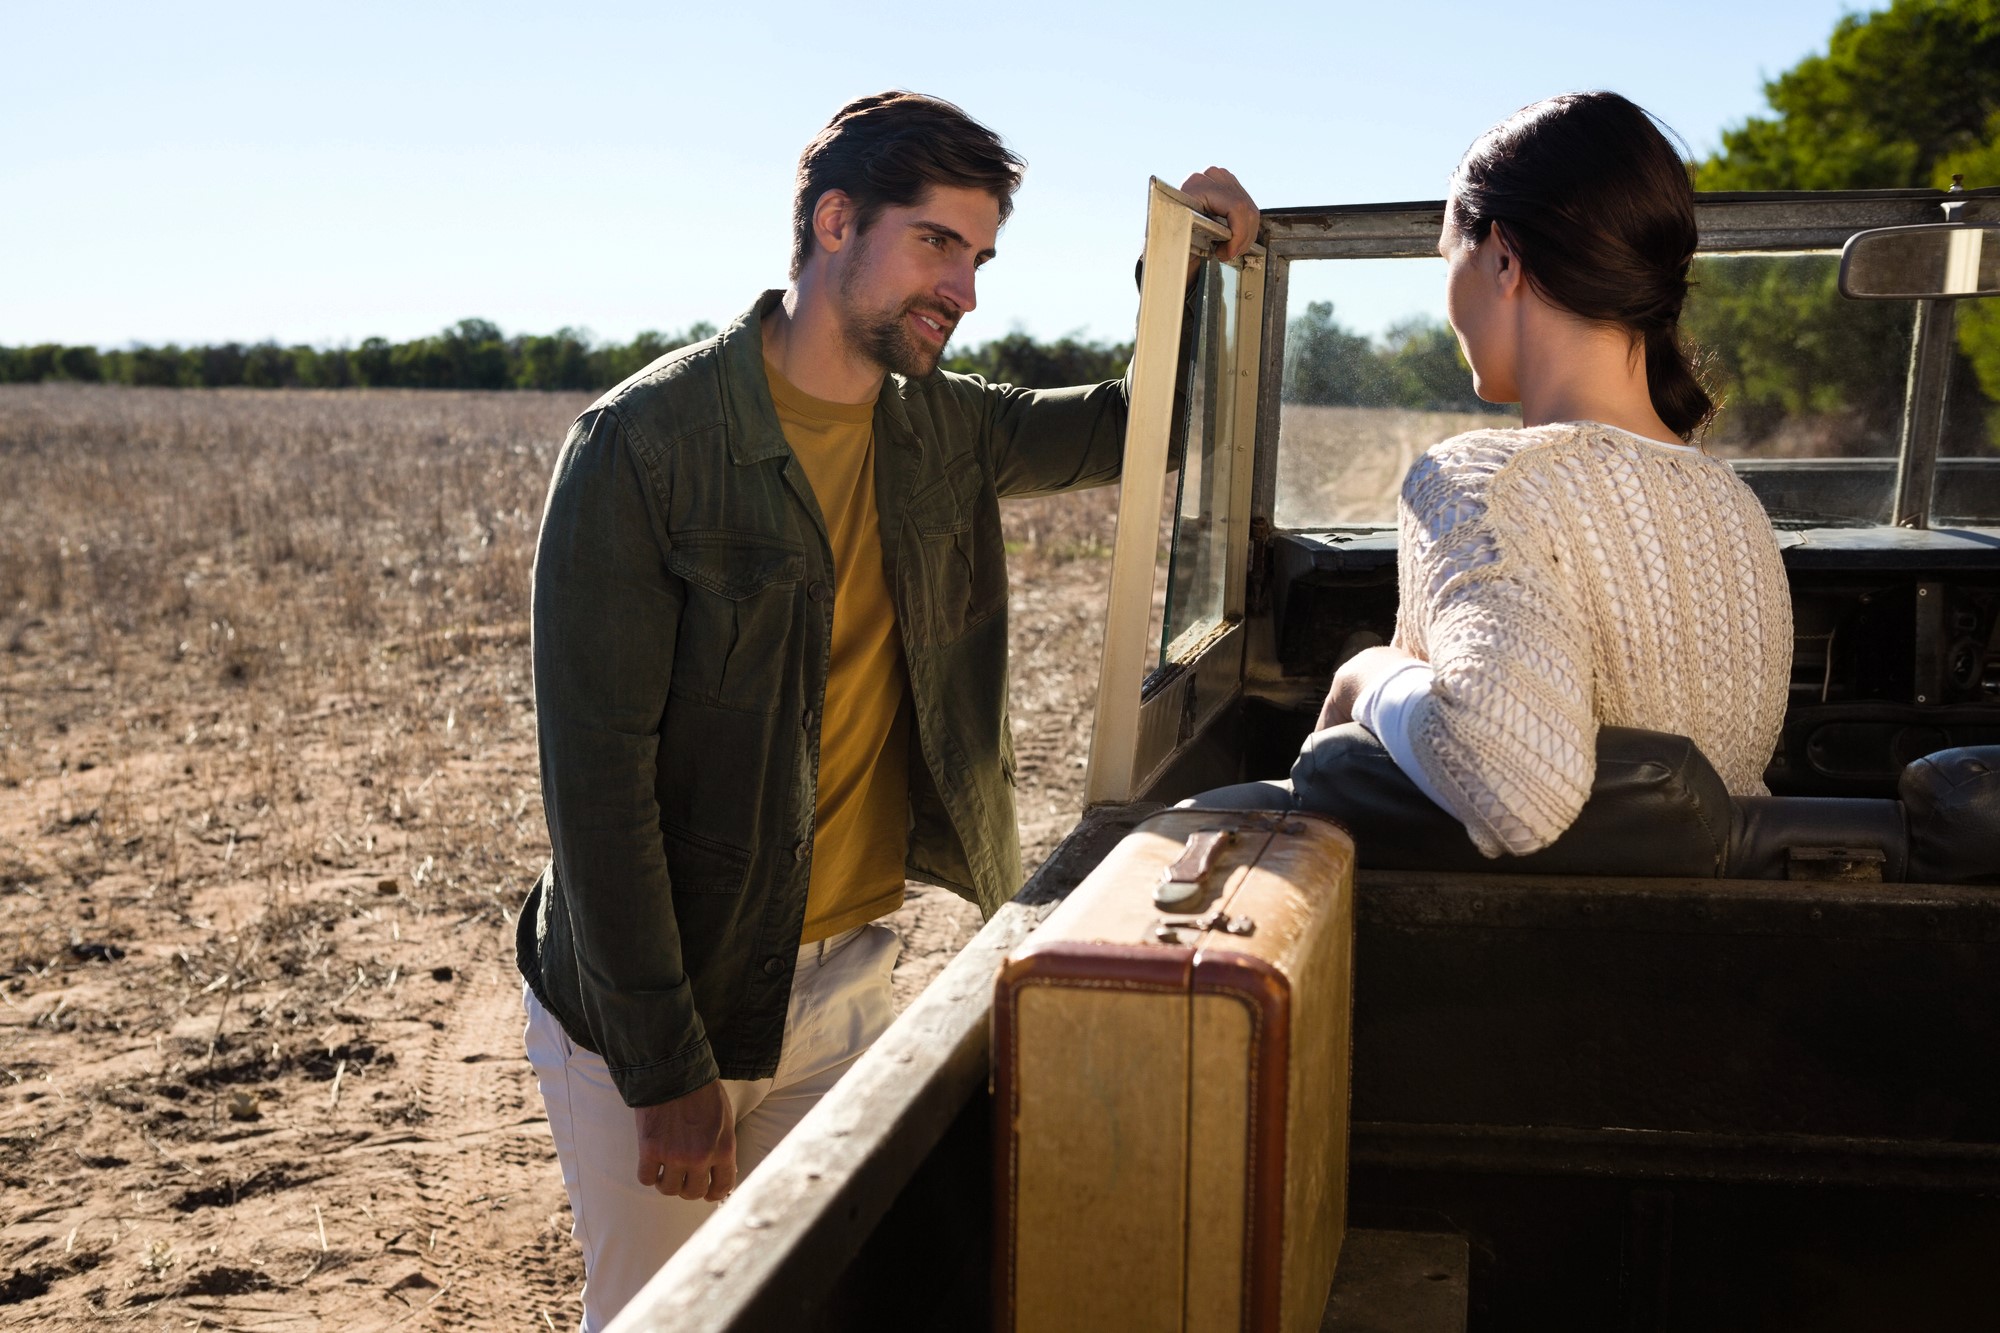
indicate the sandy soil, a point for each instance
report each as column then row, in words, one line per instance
column 267, row 807
column 1345, row 465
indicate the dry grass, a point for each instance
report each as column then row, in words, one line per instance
column 267, row 794
column 268, row 800
column 314, row 607
column 260, row 585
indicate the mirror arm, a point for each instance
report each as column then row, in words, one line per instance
column 1932, row 346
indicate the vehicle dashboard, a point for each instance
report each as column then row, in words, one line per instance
column 1896, row 650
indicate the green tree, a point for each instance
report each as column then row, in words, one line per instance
column 476, row 352
column 1427, row 370
column 218, row 366
column 268, row 366
column 1328, row 365
column 1016, row 358
column 560, row 360
column 1902, row 98
column 1896, row 96
column 372, row 365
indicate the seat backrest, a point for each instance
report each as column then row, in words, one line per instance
column 1657, row 807
column 1951, row 802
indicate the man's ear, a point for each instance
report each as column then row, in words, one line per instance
column 833, row 220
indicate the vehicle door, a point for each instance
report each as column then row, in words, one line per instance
column 1174, row 632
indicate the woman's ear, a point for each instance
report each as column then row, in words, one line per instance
column 1506, row 261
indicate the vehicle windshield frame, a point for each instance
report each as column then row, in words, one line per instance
column 1731, row 222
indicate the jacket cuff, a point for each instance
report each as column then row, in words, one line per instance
column 663, row 1080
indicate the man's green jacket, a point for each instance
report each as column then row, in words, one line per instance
column 683, row 620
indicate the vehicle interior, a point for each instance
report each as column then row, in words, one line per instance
column 1705, row 1063
column 1887, row 505
column 1693, row 1042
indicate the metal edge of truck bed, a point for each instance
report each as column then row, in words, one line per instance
column 807, row 1209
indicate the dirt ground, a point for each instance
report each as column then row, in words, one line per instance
column 268, row 805
column 1345, row 465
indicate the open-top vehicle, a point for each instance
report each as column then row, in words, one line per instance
column 1732, row 1070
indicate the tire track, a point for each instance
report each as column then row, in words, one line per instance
column 502, row 1222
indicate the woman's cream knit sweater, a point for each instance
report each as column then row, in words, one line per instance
column 1564, row 576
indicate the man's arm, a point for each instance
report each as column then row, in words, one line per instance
column 606, row 613
column 1064, row 439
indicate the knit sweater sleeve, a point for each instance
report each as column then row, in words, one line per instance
column 1507, row 735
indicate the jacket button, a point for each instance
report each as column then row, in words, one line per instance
column 818, row 591
column 802, row 851
column 773, row 966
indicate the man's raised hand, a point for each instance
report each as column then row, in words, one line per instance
column 687, row 1147
column 1219, row 194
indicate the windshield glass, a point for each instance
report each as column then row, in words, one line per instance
column 1811, row 386
column 1198, row 551
column 1811, row 383
column 1373, row 378
column 1968, row 479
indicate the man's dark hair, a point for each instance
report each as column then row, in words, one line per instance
column 888, row 150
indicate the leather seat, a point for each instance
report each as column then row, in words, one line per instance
column 1951, row 802
column 1818, row 837
column 1658, row 808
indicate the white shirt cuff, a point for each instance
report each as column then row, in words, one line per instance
column 1388, row 708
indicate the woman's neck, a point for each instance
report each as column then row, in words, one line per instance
column 1573, row 371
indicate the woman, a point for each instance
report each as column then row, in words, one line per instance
column 1592, row 567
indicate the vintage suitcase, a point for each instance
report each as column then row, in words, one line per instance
column 1170, row 1054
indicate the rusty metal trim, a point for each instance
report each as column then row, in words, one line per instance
column 1729, row 221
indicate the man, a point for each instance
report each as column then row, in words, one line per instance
column 770, row 662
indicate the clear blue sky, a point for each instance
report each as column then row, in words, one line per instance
column 321, row 173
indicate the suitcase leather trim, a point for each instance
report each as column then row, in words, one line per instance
column 1162, row 969
column 1266, row 994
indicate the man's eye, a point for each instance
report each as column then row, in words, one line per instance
column 935, row 242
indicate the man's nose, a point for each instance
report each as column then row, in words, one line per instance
column 958, row 288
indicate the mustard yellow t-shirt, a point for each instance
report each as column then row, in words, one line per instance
column 861, row 822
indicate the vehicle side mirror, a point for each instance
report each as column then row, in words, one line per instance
column 1944, row 260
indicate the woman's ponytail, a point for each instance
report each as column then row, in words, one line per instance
column 1676, row 389
column 1600, row 209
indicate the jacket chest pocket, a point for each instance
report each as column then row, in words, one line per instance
column 736, row 619
column 957, row 527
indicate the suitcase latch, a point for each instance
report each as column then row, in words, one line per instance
column 1169, row 932
column 1181, row 881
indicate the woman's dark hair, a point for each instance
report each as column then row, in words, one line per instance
column 1600, row 209
column 887, row 150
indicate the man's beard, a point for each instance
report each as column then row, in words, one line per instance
column 886, row 339
column 888, row 342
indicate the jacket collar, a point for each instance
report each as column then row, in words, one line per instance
column 756, row 435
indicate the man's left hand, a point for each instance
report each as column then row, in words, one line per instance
column 1219, row 194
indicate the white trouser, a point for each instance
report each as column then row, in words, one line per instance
column 840, row 1004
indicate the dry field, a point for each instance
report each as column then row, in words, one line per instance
column 268, row 805
column 1342, row 465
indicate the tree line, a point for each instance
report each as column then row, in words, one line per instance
column 476, row 354
column 1417, row 364
column 471, row 354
